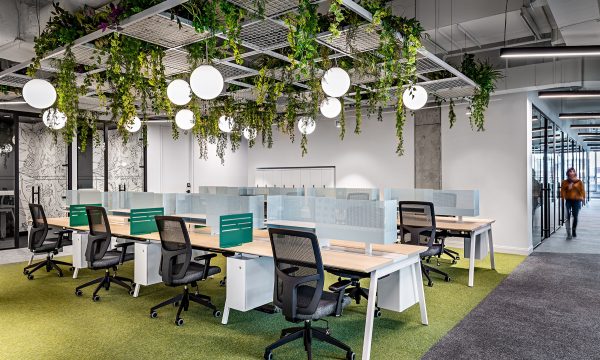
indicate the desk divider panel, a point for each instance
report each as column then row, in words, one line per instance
column 235, row 229
column 142, row 221
column 446, row 202
column 77, row 214
column 345, row 193
column 219, row 205
column 295, row 208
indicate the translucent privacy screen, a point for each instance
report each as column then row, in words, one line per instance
column 345, row 193
column 371, row 222
column 294, row 208
column 218, row 205
column 446, row 202
column 219, row 190
column 77, row 197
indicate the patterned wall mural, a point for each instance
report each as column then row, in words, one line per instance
column 41, row 160
column 124, row 161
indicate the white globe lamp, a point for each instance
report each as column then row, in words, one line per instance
column 331, row 107
column 185, row 119
column 335, row 82
column 179, row 92
column 135, row 125
column 249, row 133
column 39, row 93
column 54, row 119
column 307, row 125
column 226, row 124
column 414, row 97
column 206, row 82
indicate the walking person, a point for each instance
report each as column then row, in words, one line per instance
column 573, row 192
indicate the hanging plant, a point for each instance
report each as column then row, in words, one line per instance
column 335, row 9
column 233, row 26
column 302, row 37
column 67, row 91
column 342, row 120
column 358, row 111
column 485, row 76
column 451, row 113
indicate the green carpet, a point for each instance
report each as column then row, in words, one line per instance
column 43, row 318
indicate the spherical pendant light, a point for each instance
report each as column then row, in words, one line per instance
column 135, row 126
column 179, row 92
column 7, row 148
column 206, row 82
column 226, row 124
column 331, row 107
column 307, row 125
column 414, row 97
column 335, row 82
column 185, row 119
column 39, row 94
column 249, row 133
column 54, row 119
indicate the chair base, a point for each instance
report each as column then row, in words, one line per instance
column 356, row 292
column 49, row 264
column 183, row 300
column 307, row 333
column 105, row 282
column 426, row 269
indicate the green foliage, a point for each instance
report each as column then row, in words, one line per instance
column 302, row 37
column 335, row 9
column 358, row 113
column 451, row 113
column 484, row 75
column 67, row 92
column 342, row 120
column 233, row 26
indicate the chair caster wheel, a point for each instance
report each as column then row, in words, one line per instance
column 78, row 292
column 216, row 313
column 223, row 282
column 176, row 304
column 377, row 313
column 153, row 314
column 30, row 277
column 268, row 355
column 96, row 298
column 179, row 321
column 350, row 356
column 430, row 284
column 447, row 278
column 72, row 268
column 60, row 275
column 454, row 262
column 131, row 292
column 25, row 272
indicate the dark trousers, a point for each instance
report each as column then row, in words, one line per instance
column 573, row 207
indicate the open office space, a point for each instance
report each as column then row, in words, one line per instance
column 290, row 179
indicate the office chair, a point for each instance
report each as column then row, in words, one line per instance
column 41, row 243
column 417, row 219
column 177, row 269
column 298, row 290
column 446, row 199
column 355, row 291
column 99, row 257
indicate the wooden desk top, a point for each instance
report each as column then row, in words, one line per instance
column 340, row 255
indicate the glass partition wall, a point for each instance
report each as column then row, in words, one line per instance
column 8, row 185
column 553, row 152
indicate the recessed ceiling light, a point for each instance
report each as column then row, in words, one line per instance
column 549, row 51
column 585, row 126
column 581, row 94
column 572, row 116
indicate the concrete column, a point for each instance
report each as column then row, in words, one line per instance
column 428, row 148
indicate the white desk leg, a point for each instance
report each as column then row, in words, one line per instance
column 366, row 354
column 225, row 317
column 491, row 242
column 75, row 273
column 472, row 258
column 416, row 269
column 30, row 260
column 136, row 291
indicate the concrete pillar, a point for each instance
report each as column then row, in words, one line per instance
column 428, row 148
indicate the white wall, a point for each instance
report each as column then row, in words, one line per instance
column 497, row 163
column 365, row 160
column 174, row 163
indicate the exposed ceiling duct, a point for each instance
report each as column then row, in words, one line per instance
column 577, row 20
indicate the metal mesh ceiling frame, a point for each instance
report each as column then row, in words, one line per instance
column 160, row 30
column 265, row 34
column 362, row 40
column 84, row 55
column 175, row 62
column 448, row 88
column 272, row 7
column 14, row 80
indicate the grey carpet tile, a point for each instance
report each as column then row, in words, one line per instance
column 548, row 308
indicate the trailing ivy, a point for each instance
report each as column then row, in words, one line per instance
column 358, row 110
column 451, row 113
column 335, row 9
column 67, row 91
column 342, row 120
column 302, row 37
column 485, row 76
column 233, row 26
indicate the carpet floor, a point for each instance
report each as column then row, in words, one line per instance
column 42, row 318
column 549, row 310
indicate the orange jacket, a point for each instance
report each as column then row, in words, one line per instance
column 575, row 191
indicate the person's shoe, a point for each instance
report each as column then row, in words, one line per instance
column 574, row 233
column 569, row 237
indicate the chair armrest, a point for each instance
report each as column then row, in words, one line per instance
column 339, row 288
column 206, row 258
column 124, row 251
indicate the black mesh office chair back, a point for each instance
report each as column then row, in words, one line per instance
column 417, row 227
column 100, row 236
column 417, row 219
column 39, row 226
column 176, row 248
column 298, row 271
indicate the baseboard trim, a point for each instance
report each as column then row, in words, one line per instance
column 459, row 243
